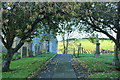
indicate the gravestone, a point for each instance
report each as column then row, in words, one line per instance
column 40, row 49
column 47, row 46
column 53, row 45
column 103, row 51
column 24, row 51
column 97, row 54
column 16, row 55
column 15, row 44
column 79, row 50
column 36, row 49
column 30, row 49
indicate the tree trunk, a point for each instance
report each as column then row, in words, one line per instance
column 64, row 48
column 7, row 61
column 116, row 58
column 9, row 55
column 67, row 42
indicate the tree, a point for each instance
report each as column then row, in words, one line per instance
column 23, row 19
column 104, row 18
column 66, row 29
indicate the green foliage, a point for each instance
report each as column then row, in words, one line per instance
column 93, row 37
column 100, row 17
column 24, row 67
column 101, row 67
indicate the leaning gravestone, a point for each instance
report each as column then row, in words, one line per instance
column 24, row 51
column 97, row 54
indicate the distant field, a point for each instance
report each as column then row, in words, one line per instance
column 86, row 44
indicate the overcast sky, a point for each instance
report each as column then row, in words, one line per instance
column 83, row 35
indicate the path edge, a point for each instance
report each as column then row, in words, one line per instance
column 35, row 73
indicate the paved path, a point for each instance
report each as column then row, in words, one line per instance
column 59, row 67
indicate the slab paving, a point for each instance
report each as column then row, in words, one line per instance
column 59, row 67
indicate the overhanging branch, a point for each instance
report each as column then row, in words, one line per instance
column 98, row 29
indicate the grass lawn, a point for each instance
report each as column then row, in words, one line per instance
column 86, row 44
column 24, row 67
column 100, row 67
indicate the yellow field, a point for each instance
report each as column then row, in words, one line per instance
column 87, row 45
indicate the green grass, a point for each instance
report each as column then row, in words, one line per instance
column 86, row 44
column 101, row 67
column 24, row 67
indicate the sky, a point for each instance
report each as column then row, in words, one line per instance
column 83, row 35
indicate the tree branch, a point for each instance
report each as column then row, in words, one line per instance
column 112, row 28
column 98, row 29
column 3, row 41
column 18, row 46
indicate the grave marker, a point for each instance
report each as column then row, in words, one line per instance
column 30, row 54
column 24, row 51
column 97, row 54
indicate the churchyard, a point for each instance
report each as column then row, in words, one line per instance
column 30, row 47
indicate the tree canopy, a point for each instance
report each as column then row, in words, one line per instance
column 24, row 20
